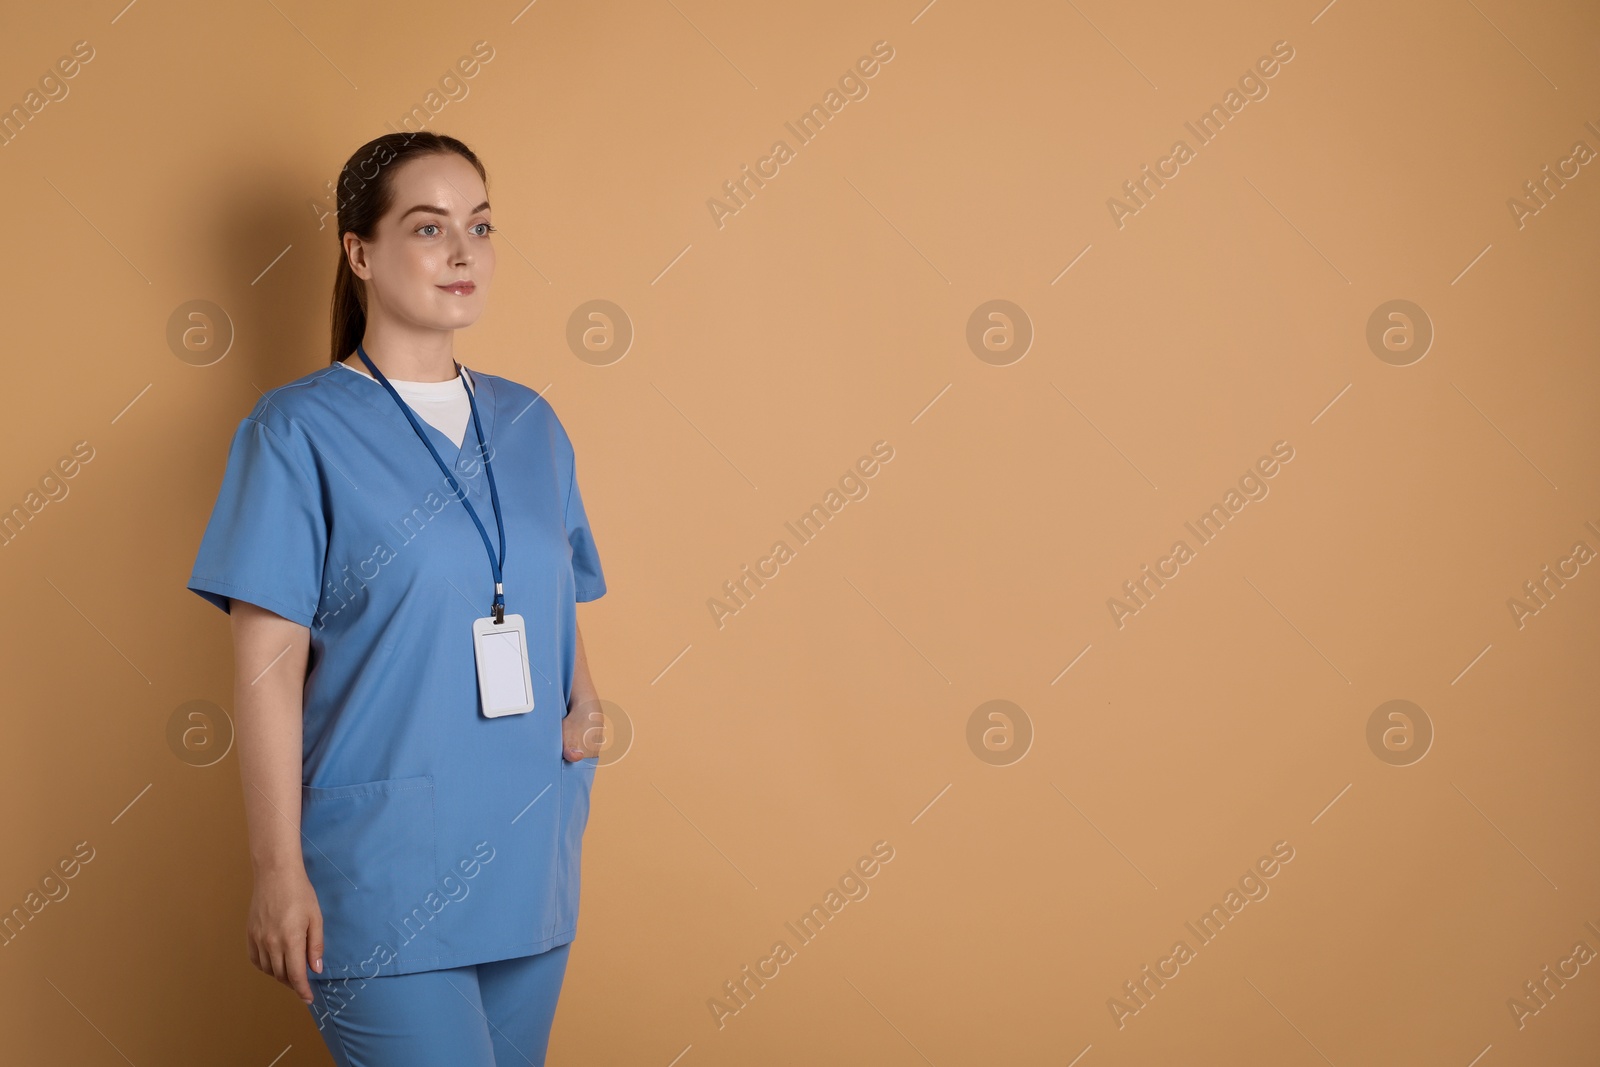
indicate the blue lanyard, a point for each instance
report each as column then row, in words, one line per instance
column 499, row 606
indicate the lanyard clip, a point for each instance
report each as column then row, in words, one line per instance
column 499, row 614
column 499, row 604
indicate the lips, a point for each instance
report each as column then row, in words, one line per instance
column 460, row 288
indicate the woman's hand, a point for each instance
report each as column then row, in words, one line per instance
column 582, row 731
column 285, row 928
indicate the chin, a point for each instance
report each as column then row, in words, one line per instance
column 463, row 314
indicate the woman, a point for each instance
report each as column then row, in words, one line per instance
column 401, row 544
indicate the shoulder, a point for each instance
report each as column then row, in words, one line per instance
column 286, row 421
column 529, row 408
column 290, row 410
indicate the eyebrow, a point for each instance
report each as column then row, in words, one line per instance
column 434, row 209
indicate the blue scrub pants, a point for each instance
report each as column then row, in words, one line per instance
column 485, row 1015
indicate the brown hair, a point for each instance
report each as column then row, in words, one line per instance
column 365, row 194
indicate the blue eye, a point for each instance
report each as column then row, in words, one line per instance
column 427, row 226
column 488, row 229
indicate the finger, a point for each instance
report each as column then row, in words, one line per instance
column 301, row 984
column 294, row 959
column 589, row 727
column 582, row 732
column 277, row 969
column 594, row 731
column 314, row 942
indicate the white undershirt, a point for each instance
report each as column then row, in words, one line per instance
column 442, row 405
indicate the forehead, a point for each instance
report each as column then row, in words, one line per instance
column 443, row 179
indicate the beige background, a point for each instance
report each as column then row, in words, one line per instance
column 1230, row 313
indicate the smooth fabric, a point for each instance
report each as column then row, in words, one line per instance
column 435, row 837
column 485, row 1015
column 443, row 405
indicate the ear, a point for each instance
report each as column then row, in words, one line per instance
column 355, row 252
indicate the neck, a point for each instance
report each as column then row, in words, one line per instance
column 407, row 356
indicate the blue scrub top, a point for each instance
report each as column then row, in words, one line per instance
column 434, row 836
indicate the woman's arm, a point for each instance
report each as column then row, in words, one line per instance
column 284, row 930
column 581, row 729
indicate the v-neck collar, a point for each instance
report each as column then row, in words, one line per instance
column 371, row 391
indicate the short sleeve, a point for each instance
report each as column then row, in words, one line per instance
column 267, row 538
column 589, row 580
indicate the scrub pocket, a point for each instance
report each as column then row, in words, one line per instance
column 577, row 781
column 369, row 852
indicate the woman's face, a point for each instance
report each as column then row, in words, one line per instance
column 434, row 237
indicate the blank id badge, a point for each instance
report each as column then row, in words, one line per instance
column 505, row 684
